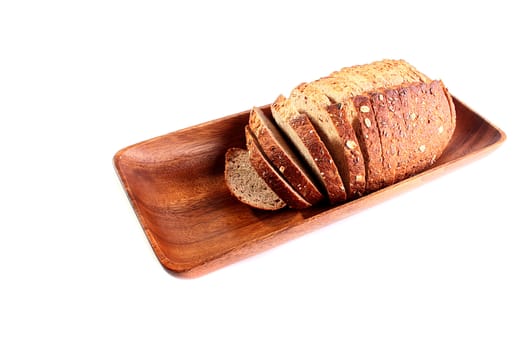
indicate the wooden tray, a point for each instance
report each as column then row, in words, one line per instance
column 176, row 187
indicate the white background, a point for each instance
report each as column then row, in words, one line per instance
column 439, row 267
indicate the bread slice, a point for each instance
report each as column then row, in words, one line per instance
column 430, row 121
column 397, row 132
column 367, row 132
column 282, row 157
column 353, row 166
column 301, row 132
column 271, row 176
column 245, row 183
column 386, row 127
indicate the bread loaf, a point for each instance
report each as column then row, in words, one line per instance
column 357, row 130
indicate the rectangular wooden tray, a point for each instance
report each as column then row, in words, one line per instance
column 176, row 187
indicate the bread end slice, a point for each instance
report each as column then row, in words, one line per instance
column 246, row 185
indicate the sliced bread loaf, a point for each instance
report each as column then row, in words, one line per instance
column 271, row 176
column 245, row 183
column 358, row 130
column 282, row 157
column 401, row 130
column 301, row 132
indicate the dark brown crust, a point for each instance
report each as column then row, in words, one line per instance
column 272, row 178
column 452, row 111
column 355, row 179
column 280, row 155
column 329, row 174
column 397, row 108
column 445, row 110
column 386, row 128
column 405, row 157
column 429, row 123
column 368, row 135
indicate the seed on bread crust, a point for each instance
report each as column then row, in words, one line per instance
column 351, row 144
column 364, row 109
column 368, row 123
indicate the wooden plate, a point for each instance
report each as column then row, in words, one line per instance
column 176, row 187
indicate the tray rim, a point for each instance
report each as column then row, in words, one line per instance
column 375, row 198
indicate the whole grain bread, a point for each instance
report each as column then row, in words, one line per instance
column 271, row 176
column 363, row 127
column 282, row 157
column 245, row 183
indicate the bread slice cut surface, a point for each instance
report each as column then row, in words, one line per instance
column 245, row 183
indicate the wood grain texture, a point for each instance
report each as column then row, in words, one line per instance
column 176, row 186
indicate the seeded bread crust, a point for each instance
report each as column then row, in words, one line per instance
column 430, row 125
column 398, row 132
column 382, row 74
column 386, row 126
column 354, row 165
column 245, row 184
column 273, row 179
column 282, row 156
column 301, row 132
column 367, row 132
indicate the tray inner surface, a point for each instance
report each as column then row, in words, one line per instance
column 176, row 186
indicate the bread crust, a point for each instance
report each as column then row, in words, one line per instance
column 359, row 129
column 386, row 127
column 368, row 135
